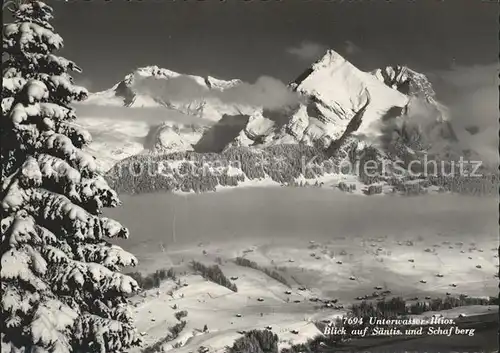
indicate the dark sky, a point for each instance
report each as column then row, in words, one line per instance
column 247, row 39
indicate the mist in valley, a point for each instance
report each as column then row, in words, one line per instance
column 295, row 215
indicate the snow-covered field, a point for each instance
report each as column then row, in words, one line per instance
column 262, row 301
column 335, row 245
column 218, row 308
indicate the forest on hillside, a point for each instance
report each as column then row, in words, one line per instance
column 285, row 165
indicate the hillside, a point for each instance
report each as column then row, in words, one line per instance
column 342, row 272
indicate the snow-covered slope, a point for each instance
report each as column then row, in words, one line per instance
column 146, row 87
column 290, row 312
column 338, row 90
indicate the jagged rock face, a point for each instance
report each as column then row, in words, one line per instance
column 424, row 124
column 405, row 80
column 298, row 123
column 334, row 91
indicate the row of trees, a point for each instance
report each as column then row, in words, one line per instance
column 241, row 261
column 173, row 333
column 284, row 164
column 61, row 286
column 153, row 280
column 214, row 274
column 265, row 341
column 397, row 307
column 255, row 341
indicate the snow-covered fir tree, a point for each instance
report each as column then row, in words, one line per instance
column 60, row 282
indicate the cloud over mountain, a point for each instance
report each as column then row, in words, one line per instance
column 307, row 51
column 266, row 92
column 351, row 48
column 471, row 93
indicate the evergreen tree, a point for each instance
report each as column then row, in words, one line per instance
column 60, row 286
column 255, row 341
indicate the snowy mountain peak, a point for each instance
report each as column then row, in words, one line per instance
column 215, row 83
column 148, row 71
column 155, row 71
column 331, row 58
column 161, row 73
column 152, row 86
column 337, row 91
column 329, row 61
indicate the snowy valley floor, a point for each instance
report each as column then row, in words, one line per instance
column 391, row 242
column 262, row 301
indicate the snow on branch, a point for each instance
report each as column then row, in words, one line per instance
column 35, row 91
column 36, row 11
column 113, row 229
column 21, row 113
column 111, row 256
column 107, row 335
column 24, row 230
column 61, row 146
column 29, row 37
column 98, row 191
column 50, row 322
column 16, row 299
column 59, row 212
column 57, row 65
column 51, row 117
column 12, row 85
column 78, row 135
column 11, row 72
column 62, row 88
column 22, row 265
column 92, row 194
column 7, row 105
column 56, row 171
column 74, row 275
column 15, row 197
column 30, row 174
column 118, row 312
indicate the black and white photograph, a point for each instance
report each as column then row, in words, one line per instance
column 250, row 176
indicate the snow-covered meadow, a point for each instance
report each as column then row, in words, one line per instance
column 335, row 245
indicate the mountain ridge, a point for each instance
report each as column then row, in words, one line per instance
column 394, row 109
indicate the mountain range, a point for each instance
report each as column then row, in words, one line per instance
column 332, row 107
column 329, row 96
